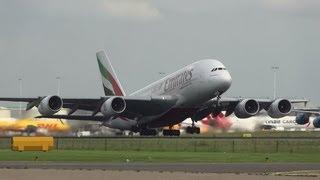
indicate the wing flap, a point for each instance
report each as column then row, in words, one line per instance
column 74, row 117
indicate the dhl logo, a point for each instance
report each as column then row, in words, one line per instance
column 23, row 124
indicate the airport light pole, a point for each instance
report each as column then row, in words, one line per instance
column 59, row 85
column 20, row 95
column 275, row 69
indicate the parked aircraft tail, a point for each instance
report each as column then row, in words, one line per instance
column 111, row 84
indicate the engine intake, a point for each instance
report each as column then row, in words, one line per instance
column 247, row 108
column 50, row 105
column 316, row 122
column 113, row 106
column 280, row 108
column 302, row 118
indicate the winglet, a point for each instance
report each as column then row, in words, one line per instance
column 110, row 82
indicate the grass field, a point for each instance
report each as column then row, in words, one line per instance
column 212, row 150
column 154, row 157
column 284, row 134
column 243, row 145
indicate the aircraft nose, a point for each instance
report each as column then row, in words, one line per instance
column 225, row 82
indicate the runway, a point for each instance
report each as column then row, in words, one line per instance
column 49, row 174
column 168, row 167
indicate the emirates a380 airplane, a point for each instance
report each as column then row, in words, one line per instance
column 193, row 91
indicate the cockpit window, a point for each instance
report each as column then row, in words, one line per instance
column 219, row 69
column 214, row 69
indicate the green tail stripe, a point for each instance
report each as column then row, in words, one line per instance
column 107, row 91
column 104, row 72
column 107, row 75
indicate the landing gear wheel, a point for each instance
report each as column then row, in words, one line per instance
column 197, row 130
column 148, row 132
column 189, row 130
column 167, row 132
column 193, row 130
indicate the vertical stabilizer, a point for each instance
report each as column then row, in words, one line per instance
column 111, row 84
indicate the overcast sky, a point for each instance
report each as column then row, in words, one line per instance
column 40, row 40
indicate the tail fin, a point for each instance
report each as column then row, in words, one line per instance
column 111, row 84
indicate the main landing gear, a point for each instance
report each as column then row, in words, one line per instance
column 144, row 131
column 170, row 132
column 217, row 108
column 193, row 129
column 148, row 132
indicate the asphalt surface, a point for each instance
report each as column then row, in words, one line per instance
column 53, row 174
column 168, row 167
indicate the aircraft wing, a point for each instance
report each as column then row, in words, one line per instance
column 262, row 102
column 227, row 99
column 229, row 104
column 135, row 106
column 310, row 111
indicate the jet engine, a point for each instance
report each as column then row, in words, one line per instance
column 280, row 108
column 302, row 118
column 247, row 108
column 113, row 106
column 50, row 105
column 316, row 122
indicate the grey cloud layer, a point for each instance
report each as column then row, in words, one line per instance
column 40, row 40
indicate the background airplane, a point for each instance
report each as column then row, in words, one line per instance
column 14, row 121
column 262, row 121
column 308, row 116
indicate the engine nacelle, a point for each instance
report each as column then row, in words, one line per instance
column 302, row 118
column 316, row 122
column 247, row 108
column 280, row 108
column 113, row 106
column 50, row 105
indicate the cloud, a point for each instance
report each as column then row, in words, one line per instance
column 292, row 5
column 298, row 8
column 135, row 9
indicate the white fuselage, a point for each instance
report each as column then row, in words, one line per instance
column 192, row 86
